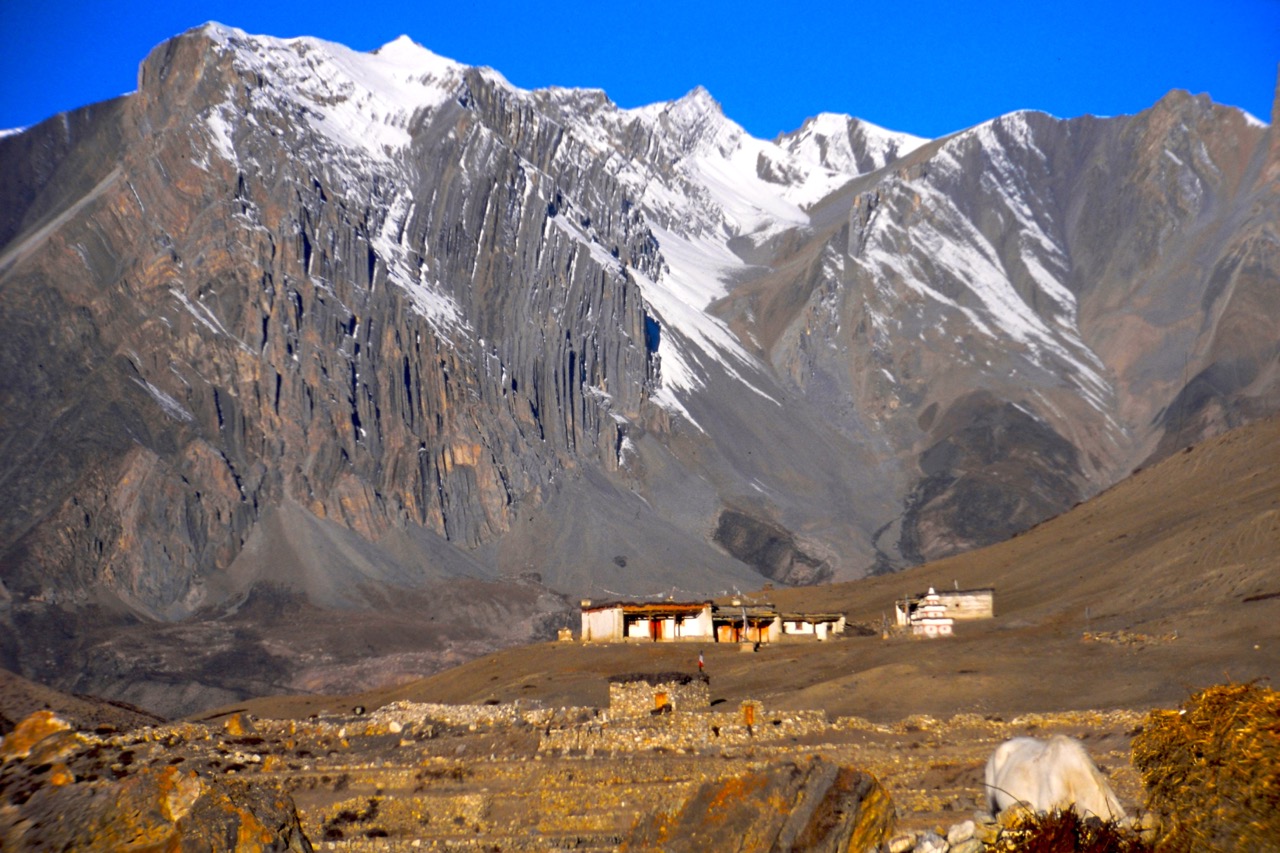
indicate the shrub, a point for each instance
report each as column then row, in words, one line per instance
column 1067, row 832
column 1212, row 769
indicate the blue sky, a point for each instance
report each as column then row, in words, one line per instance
column 923, row 67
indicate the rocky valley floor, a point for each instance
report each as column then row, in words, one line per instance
column 507, row 777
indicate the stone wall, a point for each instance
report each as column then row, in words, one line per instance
column 628, row 726
column 682, row 732
column 637, row 698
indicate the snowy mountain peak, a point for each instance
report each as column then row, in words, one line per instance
column 846, row 144
column 694, row 121
column 408, row 54
column 699, row 100
column 359, row 103
column 220, row 33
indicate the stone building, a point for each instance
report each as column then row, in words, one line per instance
column 747, row 623
column 816, row 626
column 959, row 604
column 930, row 619
column 637, row 694
column 667, row 621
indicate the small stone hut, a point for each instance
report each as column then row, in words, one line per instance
column 636, row 694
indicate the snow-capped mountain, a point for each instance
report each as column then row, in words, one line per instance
column 294, row 326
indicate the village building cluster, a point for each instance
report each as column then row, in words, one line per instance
column 703, row 622
column 930, row 614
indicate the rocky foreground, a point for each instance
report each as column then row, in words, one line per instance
column 508, row 777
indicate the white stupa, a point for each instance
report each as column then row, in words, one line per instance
column 930, row 618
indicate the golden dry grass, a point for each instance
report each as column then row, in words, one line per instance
column 1213, row 769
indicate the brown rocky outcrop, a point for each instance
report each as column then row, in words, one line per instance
column 787, row 806
column 62, row 790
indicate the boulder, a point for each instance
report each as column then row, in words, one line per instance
column 813, row 806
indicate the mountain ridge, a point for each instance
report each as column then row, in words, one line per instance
column 455, row 329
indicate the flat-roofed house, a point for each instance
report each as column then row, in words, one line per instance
column 811, row 626
column 702, row 621
column 663, row 621
column 747, row 623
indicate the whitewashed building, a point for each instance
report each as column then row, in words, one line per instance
column 815, row 626
column 961, row 605
column 702, row 621
column 666, row 621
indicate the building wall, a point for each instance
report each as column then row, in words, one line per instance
column 698, row 626
column 602, row 626
column 613, row 624
column 639, row 698
column 640, row 629
column 802, row 629
column 969, row 604
column 931, row 629
column 670, row 629
column 961, row 605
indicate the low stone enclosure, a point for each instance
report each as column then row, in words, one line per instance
column 647, row 711
column 637, row 694
column 671, row 710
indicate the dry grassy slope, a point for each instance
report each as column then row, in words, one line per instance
column 20, row 697
column 1181, row 547
column 1199, row 530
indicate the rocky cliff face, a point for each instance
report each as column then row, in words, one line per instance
column 296, row 330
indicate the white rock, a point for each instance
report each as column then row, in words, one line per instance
column 969, row 845
column 902, row 843
column 932, row 842
column 961, row 832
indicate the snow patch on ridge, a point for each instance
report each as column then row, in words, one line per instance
column 693, row 280
column 205, row 317
column 978, row 282
column 429, row 298
column 171, row 407
column 220, row 133
column 1249, row 118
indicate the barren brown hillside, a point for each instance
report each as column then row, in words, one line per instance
column 1174, row 572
